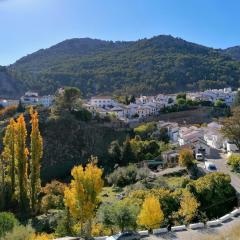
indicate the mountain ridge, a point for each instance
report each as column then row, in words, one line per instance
column 160, row 64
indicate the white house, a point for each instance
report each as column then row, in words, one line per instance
column 172, row 130
column 102, row 101
column 198, row 145
column 166, row 100
column 225, row 94
column 30, row 98
column 229, row 146
column 187, row 134
column 46, row 101
column 213, row 136
column 118, row 112
column 8, row 102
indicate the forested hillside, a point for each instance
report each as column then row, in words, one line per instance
column 9, row 87
column 159, row 64
column 234, row 52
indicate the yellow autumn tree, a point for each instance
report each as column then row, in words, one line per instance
column 22, row 163
column 36, row 156
column 188, row 206
column 151, row 215
column 8, row 153
column 186, row 158
column 81, row 197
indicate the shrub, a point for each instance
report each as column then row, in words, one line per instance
column 121, row 214
column 20, row 233
column 7, row 223
column 64, row 225
column 53, row 198
column 127, row 175
column 42, row 236
column 46, row 222
column 234, row 162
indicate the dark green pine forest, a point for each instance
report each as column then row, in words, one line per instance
column 159, row 64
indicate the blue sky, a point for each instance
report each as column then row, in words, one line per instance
column 28, row 25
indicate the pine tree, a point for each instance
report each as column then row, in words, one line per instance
column 22, row 163
column 151, row 215
column 9, row 151
column 36, row 156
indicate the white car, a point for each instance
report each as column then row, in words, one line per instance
column 210, row 167
column 199, row 157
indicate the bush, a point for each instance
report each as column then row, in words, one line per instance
column 53, row 196
column 145, row 130
column 42, row 236
column 121, row 214
column 127, row 175
column 20, row 233
column 7, row 223
column 64, row 225
column 46, row 222
column 234, row 162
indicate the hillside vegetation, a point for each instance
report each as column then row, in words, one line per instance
column 159, row 64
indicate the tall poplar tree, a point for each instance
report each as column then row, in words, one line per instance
column 22, row 163
column 9, row 142
column 36, row 156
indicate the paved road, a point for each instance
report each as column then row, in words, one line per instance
column 220, row 160
column 196, row 234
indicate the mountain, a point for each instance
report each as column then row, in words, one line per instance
column 159, row 64
column 234, row 52
column 9, row 86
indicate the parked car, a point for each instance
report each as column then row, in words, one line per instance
column 210, row 167
column 129, row 235
column 199, row 157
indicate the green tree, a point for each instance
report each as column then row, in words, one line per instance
column 115, row 152
column 220, row 103
column 181, row 101
column 234, row 162
column 215, row 194
column 231, row 127
column 181, row 96
column 127, row 155
column 7, row 223
column 68, row 99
